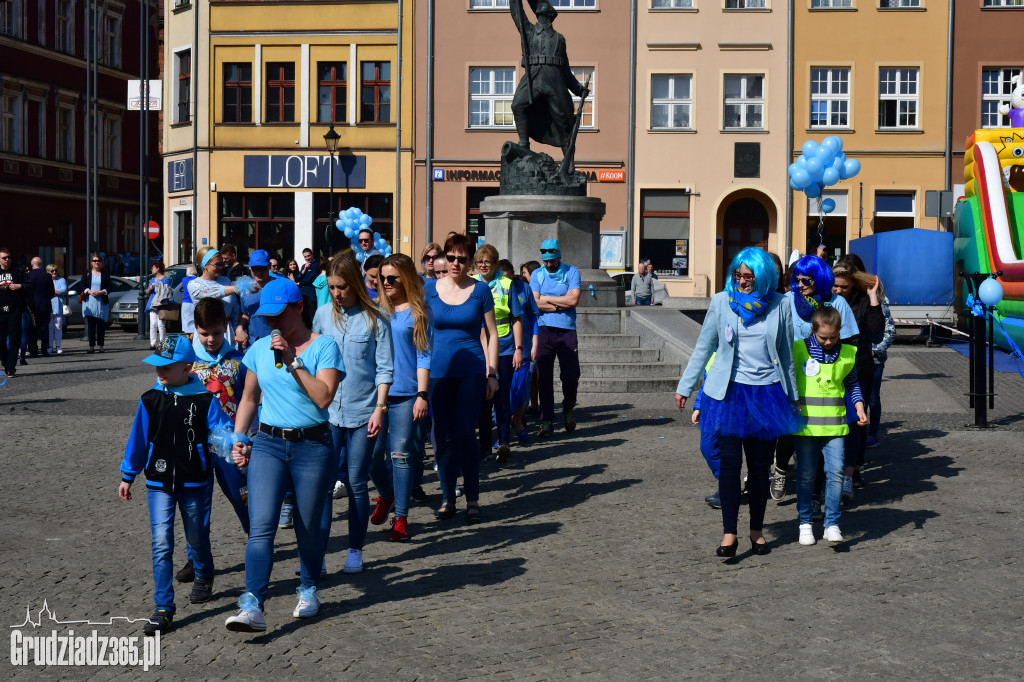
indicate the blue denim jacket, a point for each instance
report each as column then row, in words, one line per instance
column 713, row 339
column 368, row 363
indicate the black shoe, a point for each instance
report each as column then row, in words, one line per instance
column 858, row 480
column 446, row 511
column 202, row 591
column 760, row 548
column 418, row 494
column 714, row 500
column 728, row 550
column 161, row 621
column 33, row 354
column 45, row 354
column 23, row 361
column 186, row 574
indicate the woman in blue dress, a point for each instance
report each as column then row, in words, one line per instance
column 57, row 303
column 750, row 396
column 95, row 285
column 462, row 375
column 358, row 415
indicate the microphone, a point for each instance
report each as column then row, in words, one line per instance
column 278, row 360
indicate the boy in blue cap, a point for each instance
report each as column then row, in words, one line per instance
column 170, row 441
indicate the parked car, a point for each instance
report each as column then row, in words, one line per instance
column 118, row 287
column 125, row 309
column 623, row 279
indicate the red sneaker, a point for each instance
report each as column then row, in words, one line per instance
column 400, row 530
column 381, row 511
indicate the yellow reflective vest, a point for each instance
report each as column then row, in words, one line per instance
column 502, row 313
column 821, row 389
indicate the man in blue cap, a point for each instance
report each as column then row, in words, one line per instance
column 556, row 288
column 251, row 327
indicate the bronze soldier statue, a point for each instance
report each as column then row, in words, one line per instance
column 542, row 107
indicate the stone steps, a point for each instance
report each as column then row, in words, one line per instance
column 627, row 370
column 622, row 355
column 604, row 341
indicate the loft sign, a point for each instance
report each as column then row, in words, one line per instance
column 304, row 171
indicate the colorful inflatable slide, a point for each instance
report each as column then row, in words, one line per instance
column 990, row 220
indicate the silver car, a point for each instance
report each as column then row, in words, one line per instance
column 124, row 309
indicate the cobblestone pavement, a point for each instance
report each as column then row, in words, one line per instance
column 595, row 559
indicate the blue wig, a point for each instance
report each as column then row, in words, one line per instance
column 816, row 269
column 766, row 277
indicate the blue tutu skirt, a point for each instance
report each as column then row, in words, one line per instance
column 762, row 412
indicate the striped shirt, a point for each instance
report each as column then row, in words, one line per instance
column 850, row 382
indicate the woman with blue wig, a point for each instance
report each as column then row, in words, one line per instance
column 810, row 288
column 750, row 391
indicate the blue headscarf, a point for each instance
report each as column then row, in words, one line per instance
column 755, row 304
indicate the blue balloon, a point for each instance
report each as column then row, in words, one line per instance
column 801, row 178
column 365, row 219
column 809, row 148
column 792, row 183
column 851, row 168
column 829, row 177
column 348, row 232
column 828, row 205
column 801, row 160
column 360, row 256
column 813, row 190
column 833, row 142
column 825, row 154
column 376, row 236
column 990, row 292
column 793, row 167
column 815, row 168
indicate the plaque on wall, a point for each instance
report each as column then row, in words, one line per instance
column 747, row 160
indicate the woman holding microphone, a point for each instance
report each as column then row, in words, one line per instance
column 296, row 374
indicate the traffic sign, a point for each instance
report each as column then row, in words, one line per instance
column 152, row 229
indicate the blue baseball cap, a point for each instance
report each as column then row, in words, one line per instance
column 175, row 348
column 277, row 294
column 259, row 259
column 551, row 244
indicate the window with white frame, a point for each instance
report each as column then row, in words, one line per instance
column 581, row 73
column 831, row 4
column 744, row 102
column 746, row 4
column 110, row 153
column 897, row 97
column 671, row 4
column 1003, row 3
column 897, row 4
column 894, row 211
column 111, row 36
column 574, row 4
column 182, row 86
column 830, row 98
column 995, row 90
column 671, row 102
column 11, row 14
column 488, row 4
column 12, row 122
column 64, row 26
column 65, row 146
column 490, row 96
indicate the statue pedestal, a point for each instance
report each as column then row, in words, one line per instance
column 516, row 225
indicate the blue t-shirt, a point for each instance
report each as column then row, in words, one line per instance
column 456, row 351
column 557, row 283
column 185, row 298
column 802, row 328
column 285, row 404
column 258, row 327
column 408, row 358
column 528, row 304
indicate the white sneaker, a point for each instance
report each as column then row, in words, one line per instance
column 847, row 489
column 246, row 620
column 807, row 534
column 354, row 561
column 339, row 490
column 309, row 604
column 832, row 534
column 60, row 352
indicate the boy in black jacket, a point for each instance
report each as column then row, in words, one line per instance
column 170, row 442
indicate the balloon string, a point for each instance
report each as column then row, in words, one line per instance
column 821, row 222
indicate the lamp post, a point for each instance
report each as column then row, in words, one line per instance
column 331, row 140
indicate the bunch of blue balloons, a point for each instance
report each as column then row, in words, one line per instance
column 350, row 222
column 821, row 165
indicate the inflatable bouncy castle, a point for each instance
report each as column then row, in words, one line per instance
column 989, row 219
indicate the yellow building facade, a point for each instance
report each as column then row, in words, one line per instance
column 251, row 90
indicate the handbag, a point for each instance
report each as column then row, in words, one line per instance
column 66, row 310
column 169, row 314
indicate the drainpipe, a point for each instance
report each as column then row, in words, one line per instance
column 195, row 130
column 786, row 237
column 949, row 103
column 631, row 146
column 429, row 225
column 398, row 136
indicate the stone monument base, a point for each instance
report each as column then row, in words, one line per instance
column 516, row 225
column 532, row 173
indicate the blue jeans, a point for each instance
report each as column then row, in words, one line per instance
column 277, row 465
column 500, row 405
column 456, row 402
column 195, row 514
column 232, row 483
column 875, row 402
column 806, row 449
column 643, row 300
column 366, row 460
column 405, row 441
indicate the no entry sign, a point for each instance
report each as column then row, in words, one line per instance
column 152, row 229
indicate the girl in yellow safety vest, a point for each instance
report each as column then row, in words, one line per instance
column 825, row 377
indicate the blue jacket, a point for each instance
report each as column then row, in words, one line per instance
column 712, row 339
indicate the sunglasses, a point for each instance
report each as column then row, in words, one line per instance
column 96, row 260
column 804, row 281
column 461, row 259
column 736, row 275
column 440, row 272
column 391, row 279
column 429, row 256
column 549, row 250
column 364, row 241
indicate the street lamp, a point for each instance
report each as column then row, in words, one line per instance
column 331, row 140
